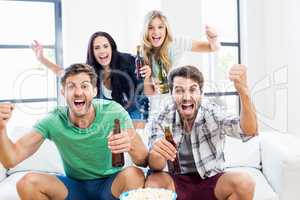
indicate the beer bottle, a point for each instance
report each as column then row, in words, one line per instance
column 162, row 79
column 117, row 158
column 139, row 62
column 173, row 166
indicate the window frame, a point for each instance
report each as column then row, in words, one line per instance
column 231, row 44
column 57, row 49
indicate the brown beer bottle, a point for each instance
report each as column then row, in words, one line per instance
column 173, row 166
column 163, row 80
column 117, row 158
column 139, row 62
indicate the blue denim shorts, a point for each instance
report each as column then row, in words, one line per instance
column 99, row 189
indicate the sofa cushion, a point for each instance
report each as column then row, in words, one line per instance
column 2, row 172
column 242, row 154
column 46, row 159
column 8, row 190
column 263, row 190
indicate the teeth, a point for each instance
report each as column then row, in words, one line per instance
column 102, row 57
column 187, row 106
column 78, row 101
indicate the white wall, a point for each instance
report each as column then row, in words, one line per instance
column 122, row 19
column 185, row 20
column 271, row 39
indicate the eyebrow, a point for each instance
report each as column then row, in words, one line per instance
column 178, row 86
column 70, row 82
column 98, row 45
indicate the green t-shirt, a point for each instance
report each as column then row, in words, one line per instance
column 84, row 152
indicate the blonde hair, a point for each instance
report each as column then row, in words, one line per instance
column 148, row 50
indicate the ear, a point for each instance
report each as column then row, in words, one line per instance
column 95, row 91
column 62, row 91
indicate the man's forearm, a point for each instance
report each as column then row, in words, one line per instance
column 138, row 151
column 7, row 151
column 248, row 115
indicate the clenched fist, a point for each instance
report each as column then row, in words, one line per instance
column 211, row 33
column 5, row 114
column 238, row 74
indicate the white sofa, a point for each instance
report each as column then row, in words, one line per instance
column 272, row 159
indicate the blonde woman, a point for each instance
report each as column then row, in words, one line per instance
column 161, row 50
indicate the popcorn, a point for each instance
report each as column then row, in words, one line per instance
column 149, row 194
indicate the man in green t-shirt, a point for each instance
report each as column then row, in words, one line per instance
column 82, row 132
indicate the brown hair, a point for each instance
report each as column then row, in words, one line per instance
column 78, row 68
column 189, row 72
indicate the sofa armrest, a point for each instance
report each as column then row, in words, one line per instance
column 280, row 155
column 2, row 172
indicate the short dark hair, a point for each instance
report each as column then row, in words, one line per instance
column 189, row 72
column 78, row 68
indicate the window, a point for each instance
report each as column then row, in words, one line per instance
column 224, row 16
column 24, row 80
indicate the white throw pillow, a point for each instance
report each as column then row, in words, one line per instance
column 46, row 159
column 242, row 154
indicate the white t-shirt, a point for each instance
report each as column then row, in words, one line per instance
column 105, row 91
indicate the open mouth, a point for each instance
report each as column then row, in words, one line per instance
column 156, row 39
column 79, row 103
column 187, row 107
column 103, row 57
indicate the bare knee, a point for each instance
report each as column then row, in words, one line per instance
column 30, row 180
column 134, row 174
column 160, row 180
column 128, row 179
column 244, row 184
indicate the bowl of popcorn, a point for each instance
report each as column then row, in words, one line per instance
column 148, row 194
